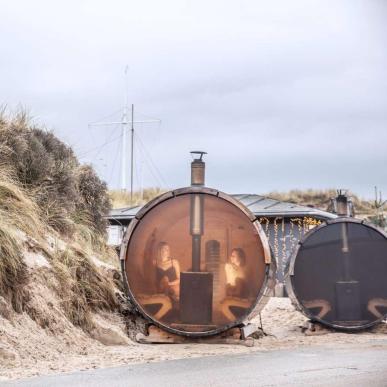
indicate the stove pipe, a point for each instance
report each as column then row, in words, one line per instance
column 343, row 205
column 197, row 204
column 198, row 167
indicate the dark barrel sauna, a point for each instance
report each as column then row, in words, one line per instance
column 195, row 261
column 337, row 275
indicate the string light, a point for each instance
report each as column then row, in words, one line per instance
column 276, row 252
column 283, row 243
column 303, row 225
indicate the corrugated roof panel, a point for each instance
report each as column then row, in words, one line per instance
column 125, row 212
column 238, row 196
column 262, row 204
column 284, row 206
column 249, row 200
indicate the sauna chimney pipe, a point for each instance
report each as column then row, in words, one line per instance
column 346, row 285
column 196, row 222
column 198, row 167
column 342, row 204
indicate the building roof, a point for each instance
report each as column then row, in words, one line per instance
column 257, row 204
column 264, row 206
column 124, row 213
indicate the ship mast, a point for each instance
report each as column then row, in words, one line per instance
column 124, row 123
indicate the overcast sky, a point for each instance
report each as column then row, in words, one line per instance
column 281, row 94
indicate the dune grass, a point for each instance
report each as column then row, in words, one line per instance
column 44, row 192
column 13, row 270
column 321, row 199
column 17, row 207
column 18, row 215
column 82, row 287
column 120, row 199
column 48, row 169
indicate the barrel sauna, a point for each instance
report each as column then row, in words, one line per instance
column 196, row 262
column 337, row 274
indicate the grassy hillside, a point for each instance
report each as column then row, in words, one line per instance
column 52, row 208
column 120, row 199
column 67, row 193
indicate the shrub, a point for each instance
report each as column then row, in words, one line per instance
column 43, row 187
column 13, row 270
column 82, row 287
column 66, row 192
column 94, row 201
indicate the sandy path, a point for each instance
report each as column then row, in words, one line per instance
column 55, row 354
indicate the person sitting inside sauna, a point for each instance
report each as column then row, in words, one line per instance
column 167, row 282
column 167, row 272
column 323, row 306
column 237, row 291
column 376, row 303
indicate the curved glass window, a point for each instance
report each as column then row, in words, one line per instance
column 195, row 263
column 340, row 274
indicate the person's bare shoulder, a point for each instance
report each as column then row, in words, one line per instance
column 175, row 262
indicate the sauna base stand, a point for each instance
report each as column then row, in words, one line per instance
column 313, row 328
column 244, row 335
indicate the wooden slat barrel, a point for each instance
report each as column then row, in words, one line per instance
column 337, row 274
column 196, row 262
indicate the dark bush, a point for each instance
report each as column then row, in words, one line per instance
column 94, row 201
column 49, row 170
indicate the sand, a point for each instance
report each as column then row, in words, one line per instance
column 30, row 350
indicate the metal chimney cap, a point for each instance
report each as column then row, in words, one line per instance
column 342, row 192
column 201, row 153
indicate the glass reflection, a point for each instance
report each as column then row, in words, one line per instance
column 195, row 285
column 237, row 290
column 340, row 274
column 168, row 272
